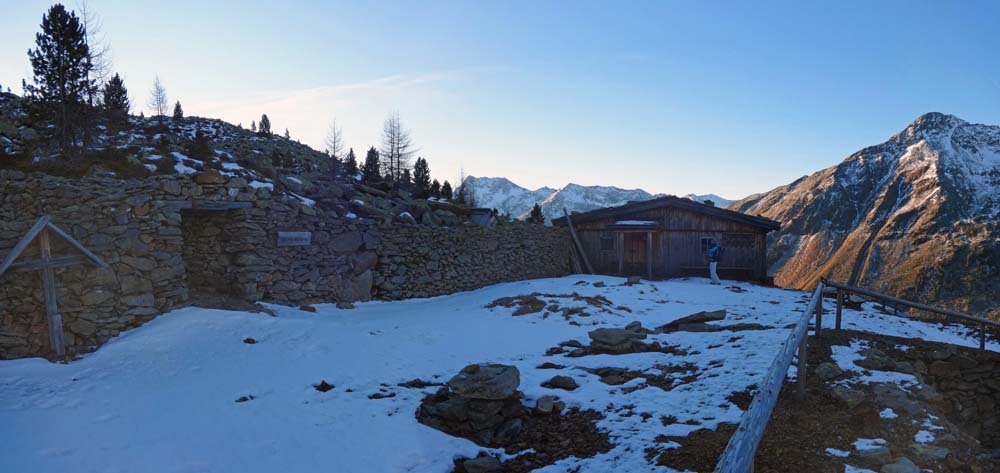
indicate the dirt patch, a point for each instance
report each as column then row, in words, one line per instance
column 699, row 451
column 418, row 383
column 532, row 304
column 744, row 398
column 323, row 386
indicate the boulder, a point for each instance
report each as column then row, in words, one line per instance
column 892, row 396
column 693, row 319
column 484, row 464
column 545, row 404
column 614, row 336
column 486, row 381
column 848, row 396
column 210, row 177
column 932, row 452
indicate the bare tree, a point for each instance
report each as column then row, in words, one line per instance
column 158, row 99
column 335, row 141
column 397, row 148
column 100, row 48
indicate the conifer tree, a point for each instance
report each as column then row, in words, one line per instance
column 370, row 171
column 421, row 179
column 264, row 128
column 351, row 164
column 115, row 101
column 287, row 136
column 335, row 141
column 62, row 73
column 536, row 215
column 405, row 181
column 253, row 126
column 200, row 147
column 435, row 189
column 446, row 190
column 178, row 111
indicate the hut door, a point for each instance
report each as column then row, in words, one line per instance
column 635, row 254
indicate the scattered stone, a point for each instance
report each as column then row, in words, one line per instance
column 827, row 371
column 550, row 366
column 877, row 454
column 848, row 396
column 307, row 308
column 932, row 452
column 633, row 280
column 545, row 404
column 323, row 386
column 381, row 395
column 417, row 383
column 249, row 341
column 245, row 398
column 692, row 322
column 483, row 464
column 901, row 465
column 345, row 305
column 599, row 284
column 561, row 382
column 892, row 396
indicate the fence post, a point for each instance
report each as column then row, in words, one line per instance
column 819, row 310
column 840, row 307
column 801, row 369
column 982, row 336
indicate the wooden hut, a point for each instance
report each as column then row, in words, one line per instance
column 669, row 237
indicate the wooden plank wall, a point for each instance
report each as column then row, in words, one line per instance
column 677, row 250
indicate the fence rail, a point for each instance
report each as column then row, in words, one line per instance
column 739, row 454
column 843, row 289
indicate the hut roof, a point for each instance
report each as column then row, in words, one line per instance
column 670, row 201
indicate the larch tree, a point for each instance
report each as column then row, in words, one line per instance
column 62, row 84
column 335, row 141
column 115, row 101
column 253, row 126
column 157, row 102
column 421, row 179
column 397, row 147
column 178, row 110
column 435, row 189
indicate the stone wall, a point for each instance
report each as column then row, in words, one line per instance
column 158, row 252
column 969, row 381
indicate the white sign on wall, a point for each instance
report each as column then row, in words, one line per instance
column 294, row 238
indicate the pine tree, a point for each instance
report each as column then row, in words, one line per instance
column 370, row 171
column 446, row 191
column 61, row 65
column 200, row 147
column 265, row 126
column 158, row 99
column 536, row 215
column 178, row 111
column 405, row 181
column 351, row 165
column 287, row 136
column 435, row 189
column 115, row 101
column 421, row 179
column 253, row 126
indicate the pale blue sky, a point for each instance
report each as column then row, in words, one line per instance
column 724, row 97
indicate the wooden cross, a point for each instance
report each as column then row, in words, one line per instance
column 46, row 263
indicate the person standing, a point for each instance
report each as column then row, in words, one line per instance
column 714, row 256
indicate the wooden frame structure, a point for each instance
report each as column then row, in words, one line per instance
column 42, row 231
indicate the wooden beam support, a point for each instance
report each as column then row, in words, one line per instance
column 49, row 287
column 576, row 241
column 55, row 262
column 75, row 244
column 801, row 369
column 23, row 242
column 649, row 255
column 819, row 311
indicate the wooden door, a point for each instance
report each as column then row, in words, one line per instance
column 635, row 254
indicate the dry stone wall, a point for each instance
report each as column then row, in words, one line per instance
column 158, row 252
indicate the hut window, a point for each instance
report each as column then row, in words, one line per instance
column 738, row 240
column 607, row 242
column 706, row 243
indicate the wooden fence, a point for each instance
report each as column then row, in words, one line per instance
column 739, row 454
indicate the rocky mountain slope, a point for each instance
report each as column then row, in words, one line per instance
column 916, row 216
column 511, row 199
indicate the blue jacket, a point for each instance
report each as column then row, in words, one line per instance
column 714, row 254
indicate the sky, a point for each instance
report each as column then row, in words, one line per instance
column 677, row 97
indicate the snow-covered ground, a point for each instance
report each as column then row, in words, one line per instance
column 162, row 398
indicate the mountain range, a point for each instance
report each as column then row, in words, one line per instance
column 916, row 216
column 511, row 199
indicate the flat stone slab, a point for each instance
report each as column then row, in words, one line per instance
column 486, row 381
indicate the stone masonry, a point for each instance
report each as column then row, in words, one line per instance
column 158, row 252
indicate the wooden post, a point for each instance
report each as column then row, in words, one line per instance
column 982, row 336
column 576, row 242
column 49, row 288
column 649, row 255
column 621, row 253
column 801, row 369
column 819, row 311
column 840, row 306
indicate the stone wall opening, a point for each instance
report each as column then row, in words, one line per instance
column 208, row 252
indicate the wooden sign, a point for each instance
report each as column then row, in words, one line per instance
column 294, row 238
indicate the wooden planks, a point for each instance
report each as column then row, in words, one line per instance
column 37, row 264
column 576, row 242
column 739, row 454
